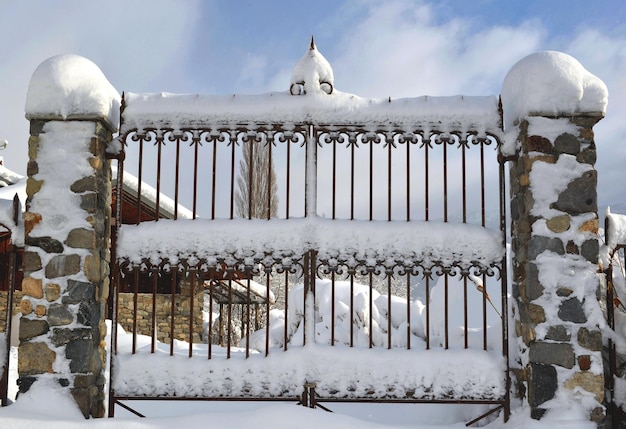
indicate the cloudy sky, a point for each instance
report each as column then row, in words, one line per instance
column 397, row 48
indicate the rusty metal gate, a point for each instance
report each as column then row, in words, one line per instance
column 373, row 270
column 615, row 301
column 8, row 270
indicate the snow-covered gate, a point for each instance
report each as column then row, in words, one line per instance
column 614, row 261
column 379, row 276
column 9, row 219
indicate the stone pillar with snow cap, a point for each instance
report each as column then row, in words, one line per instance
column 73, row 112
column 550, row 105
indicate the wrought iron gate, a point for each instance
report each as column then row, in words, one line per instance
column 614, row 372
column 389, row 225
column 8, row 269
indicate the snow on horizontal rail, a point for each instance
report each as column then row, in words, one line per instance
column 339, row 372
column 431, row 243
column 178, row 111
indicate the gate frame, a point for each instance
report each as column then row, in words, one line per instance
column 309, row 271
column 4, row 380
column 616, row 413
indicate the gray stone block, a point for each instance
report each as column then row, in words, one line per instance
column 561, row 354
column 542, row 384
column 571, row 310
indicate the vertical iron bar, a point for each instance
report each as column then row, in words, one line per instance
column 153, row 330
column 267, row 313
column 232, row 177
column 192, row 304
column 352, row 309
column 288, row 184
column 426, row 181
column 483, row 216
column 445, row 181
column 196, row 147
column 352, row 183
column 209, row 339
column 504, row 291
column 116, row 274
column 408, row 311
column 173, row 310
column 464, row 214
column 389, row 327
column 465, row 321
column 176, row 178
column 251, row 179
column 247, row 325
column 135, row 309
column 158, row 179
column 371, row 181
column 332, row 308
column 286, row 337
column 464, row 181
column 307, row 280
column 427, row 299
column 229, row 319
column 334, row 179
column 445, row 312
column 213, row 180
column 371, row 308
column 389, row 179
column 408, row 180
column 269, row 181
column 309, row 297
column 139, row 181
column 482, row 183
column 484, row 277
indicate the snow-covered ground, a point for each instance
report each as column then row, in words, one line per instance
column 45, row 407
column 57, row 410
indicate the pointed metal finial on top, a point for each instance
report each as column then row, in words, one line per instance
column 312, row 74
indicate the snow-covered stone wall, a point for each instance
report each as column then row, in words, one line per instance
column 550, row 106
column 72, row 113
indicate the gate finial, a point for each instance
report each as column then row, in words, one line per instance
column 312, row 74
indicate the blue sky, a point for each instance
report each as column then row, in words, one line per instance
column 398, row 48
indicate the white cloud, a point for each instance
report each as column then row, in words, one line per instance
column 133, row 44
column 399, row 49
column 605, row 56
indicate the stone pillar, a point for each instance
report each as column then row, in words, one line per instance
column 554, row 242
column 67, row 230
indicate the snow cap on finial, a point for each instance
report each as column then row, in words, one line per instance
column 312, row 74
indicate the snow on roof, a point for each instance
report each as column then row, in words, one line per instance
column 552, row 83
column 432, row 242
column 312, row 74
column 70, row 86
column 8, row 177
column 149, row 196
column 179, row 111
column 11, row 183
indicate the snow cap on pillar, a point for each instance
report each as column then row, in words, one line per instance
column 551, row 83
column 312, row 74
column 71, row 87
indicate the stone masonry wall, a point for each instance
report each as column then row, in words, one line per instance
column 163, row 315
column 555, row 245
column 65, row 286
column 17, row 298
